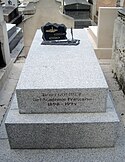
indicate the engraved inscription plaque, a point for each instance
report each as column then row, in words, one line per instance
column 61, row 99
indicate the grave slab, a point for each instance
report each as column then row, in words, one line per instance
column 62, row 130
column 10, row 12
column 62, row 78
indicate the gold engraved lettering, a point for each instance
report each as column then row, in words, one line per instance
column 52, row 30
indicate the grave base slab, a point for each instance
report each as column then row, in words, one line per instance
column 62, row 130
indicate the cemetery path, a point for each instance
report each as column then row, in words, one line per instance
column 46, row 11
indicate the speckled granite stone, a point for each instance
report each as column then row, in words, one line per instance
column 62, row 78
column 62, row 130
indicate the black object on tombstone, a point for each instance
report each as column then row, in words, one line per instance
column 53, row 31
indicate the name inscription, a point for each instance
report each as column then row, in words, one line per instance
column 61, row 99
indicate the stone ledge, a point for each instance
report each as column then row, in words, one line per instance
column 69, row 130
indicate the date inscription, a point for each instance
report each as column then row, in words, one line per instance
column 61, row 99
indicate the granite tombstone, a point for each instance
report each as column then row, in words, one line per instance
column 62, row 99
column 80, row 11
column 55, row 34
column 53, row 31
column 12, row 15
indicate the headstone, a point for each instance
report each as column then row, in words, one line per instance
column 80, row 11
column 10, row 12
column 12, row 15
column 4, row 44
column 77, row 10
column 62, row 99
column 53, row 31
